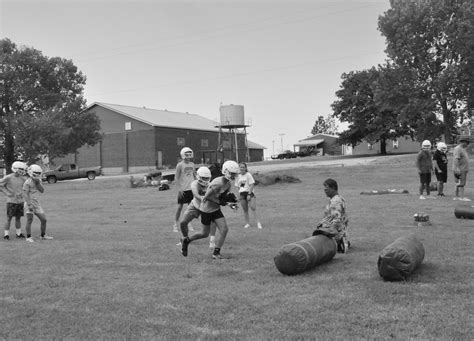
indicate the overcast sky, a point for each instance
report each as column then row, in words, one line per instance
column 281, row 59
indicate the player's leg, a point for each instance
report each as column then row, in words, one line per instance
column 212, row 236
column 245, row 208
column 177, row 216
column 253, row 208
column 42, row 217
column 223, row 229
column 29, row 221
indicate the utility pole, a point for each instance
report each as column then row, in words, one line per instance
column 281, row 136
column 273, row 150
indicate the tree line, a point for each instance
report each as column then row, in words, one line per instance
column 425, row 88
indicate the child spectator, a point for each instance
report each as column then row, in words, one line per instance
column 245, row 182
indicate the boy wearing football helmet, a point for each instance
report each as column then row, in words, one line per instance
column 211, row 208
column 12, row 186
column 31, row 187
column 184, row 176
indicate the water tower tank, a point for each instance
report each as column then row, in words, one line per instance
column 232, row 115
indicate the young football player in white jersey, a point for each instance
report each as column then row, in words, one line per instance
column 12, row 186
column 198, row 187
column 211, row 209
column 184, row 176
column 31, row 187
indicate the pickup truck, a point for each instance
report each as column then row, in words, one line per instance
column 70, row 171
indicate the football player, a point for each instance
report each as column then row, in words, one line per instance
column 184, row 176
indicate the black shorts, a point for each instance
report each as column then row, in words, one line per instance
column 15, row 210
column 186, row 198
column 442, row 177
column 208, row 218
column 425, row 178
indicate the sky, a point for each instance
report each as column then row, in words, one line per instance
column 281, row 59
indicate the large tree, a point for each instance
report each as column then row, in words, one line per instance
column 42, row 106
column 325, row 125
column 357, row 105
column 434, row 40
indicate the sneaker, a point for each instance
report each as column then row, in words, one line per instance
column 175, row 227
column 7, row 237
column 441, row 195
column 20, row 236
column 30, row 240
column 46, row 238
column 212, row 244
column 259, row 226
column 422, row 197
column 456, row 198
column 184, row 246
column 217, row 256
column 465, row 199
column 246, row 226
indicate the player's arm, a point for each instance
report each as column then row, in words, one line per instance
column 177, row 176
column 211, row 194
column 39, row 185
column 195, row 190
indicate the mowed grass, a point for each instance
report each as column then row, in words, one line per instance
column 114, row 271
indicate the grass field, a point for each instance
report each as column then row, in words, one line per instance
column 113, row 270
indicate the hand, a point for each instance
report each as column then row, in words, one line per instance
column 30, row 207
column 233, row 206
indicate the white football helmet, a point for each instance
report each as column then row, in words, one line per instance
column 230, row 169
column 203, row 175
column 35, row 171
column 441, row 146
column 187, row 153
column 426, row 144
column 19, row 167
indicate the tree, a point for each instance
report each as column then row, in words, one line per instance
column 324, row 125
column 434, row 40
column 357, row 107
column 42, row 106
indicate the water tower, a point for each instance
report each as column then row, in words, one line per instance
column 232, row 123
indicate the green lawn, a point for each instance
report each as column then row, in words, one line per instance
column 113, row 270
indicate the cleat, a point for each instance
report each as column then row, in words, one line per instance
column 184, row 246
column 246, row 226
column 259, row 226
column 46, row 238
column 7, row 237
column 30, row 240
column 456, row 198
column 217, row 256
column 465, row 199
column 422, row 197
column 20, row 236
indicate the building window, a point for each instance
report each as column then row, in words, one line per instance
column 181, row 141
column 204, row 143
column 370, row 146
column 128, row 125
column 395, row 144
column 226, row 144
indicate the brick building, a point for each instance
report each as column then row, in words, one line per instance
column 139, row 139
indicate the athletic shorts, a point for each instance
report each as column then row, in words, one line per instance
column 460, row 179
column 425, row 178
column 15, row 210
column 441, row 177
column 186, row 198
column 37, row 209
column 191, row 212
column 208, row 218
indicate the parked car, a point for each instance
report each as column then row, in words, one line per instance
column 70, row 171
column 287, row 154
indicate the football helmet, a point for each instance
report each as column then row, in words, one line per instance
column 203, row 176
column 230, row 169
column 19, row 167
column 441, row 146
column 35, row 171
column 426, row 144
column 186, row 153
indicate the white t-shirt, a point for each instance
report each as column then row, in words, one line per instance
column 243, row 181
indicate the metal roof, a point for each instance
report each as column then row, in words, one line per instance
column 162, row 118
column 303, row 143
column 253, row 145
